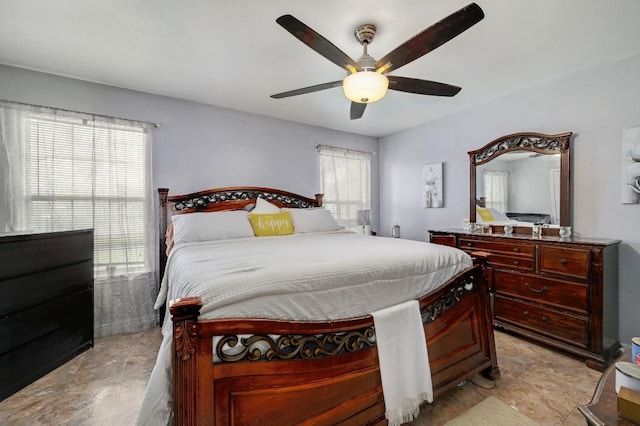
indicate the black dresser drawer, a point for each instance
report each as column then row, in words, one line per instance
column 43, row 252
column 30, row 324
column 23, row 292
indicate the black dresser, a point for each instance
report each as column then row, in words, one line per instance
column 46, row 303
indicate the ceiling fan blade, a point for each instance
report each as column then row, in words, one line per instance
column 432, row 37
column 317, row 42
column 357, row 109
column 421, row 87
column 309, row 89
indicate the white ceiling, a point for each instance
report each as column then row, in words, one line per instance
column 231, row 53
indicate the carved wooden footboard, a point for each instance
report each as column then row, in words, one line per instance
column 317, row 372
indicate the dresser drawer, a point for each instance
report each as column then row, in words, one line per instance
column 512, row 262
column 497, row 246
column 42, row 252
column 68, row 313
column 570, row 328
column 445, row 240
column 558, row 293
column 565, row 261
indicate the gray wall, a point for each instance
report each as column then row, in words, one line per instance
column 200, row 146
column 596, row 104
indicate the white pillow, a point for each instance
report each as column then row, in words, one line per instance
column 194, row 227
column 265, row 207
column 313, row 220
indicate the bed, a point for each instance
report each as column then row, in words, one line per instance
column 521, row 223
column 253, row 359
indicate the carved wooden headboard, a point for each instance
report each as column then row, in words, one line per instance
column 219, row 199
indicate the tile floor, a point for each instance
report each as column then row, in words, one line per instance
column 105, row 385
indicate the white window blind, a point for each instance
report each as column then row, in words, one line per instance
column 345, row 183
column 89, row 175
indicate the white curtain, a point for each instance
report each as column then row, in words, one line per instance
column 345, row 181
column 554, row 181
column 496, row 189
column 64, row 170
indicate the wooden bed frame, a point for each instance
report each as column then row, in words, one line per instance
column 312, row 372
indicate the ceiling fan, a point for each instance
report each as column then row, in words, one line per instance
column 366, row 81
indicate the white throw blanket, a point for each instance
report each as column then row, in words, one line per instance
column 404, row 362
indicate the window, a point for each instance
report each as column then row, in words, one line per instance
column 346, row 183
column 496, row 187
column 89, row 174
column 64, row 170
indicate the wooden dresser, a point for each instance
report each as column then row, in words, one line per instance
column 561, row 292
column 46, row 304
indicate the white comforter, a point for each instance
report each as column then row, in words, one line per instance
column 300, row 277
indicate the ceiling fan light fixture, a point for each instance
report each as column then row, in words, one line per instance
column 365, row 86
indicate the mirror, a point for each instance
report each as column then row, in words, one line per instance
column 522, row 177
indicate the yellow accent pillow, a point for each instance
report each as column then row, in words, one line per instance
column 271, row 224
column 486, row 214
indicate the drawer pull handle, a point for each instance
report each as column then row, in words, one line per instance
column 517, row 250
column 563, row 261
column 545, row 319
column 526, row 313
column 516, row 262
column 469, row 245
column 542, row 290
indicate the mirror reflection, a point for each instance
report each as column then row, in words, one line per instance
column 519, row 187
column 521, row 179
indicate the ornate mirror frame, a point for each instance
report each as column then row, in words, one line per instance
column 527, row 141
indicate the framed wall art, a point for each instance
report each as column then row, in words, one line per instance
column 631, row 165
column 432, row 193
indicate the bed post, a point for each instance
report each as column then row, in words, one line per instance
column 319, row 200
column 481, row 258
column 162, row 225
column 184, row 314
column 162, row 246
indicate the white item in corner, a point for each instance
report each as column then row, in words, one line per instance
column 404, row 362
column 627, row 375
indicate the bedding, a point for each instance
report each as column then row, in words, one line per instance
column 211, row 226
column 271, row 224
column 304, row 221
column 492, row 216
column 404, row 361
column 305, row 276
column 489, row 215
column 313, row 220
column 248, row 277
